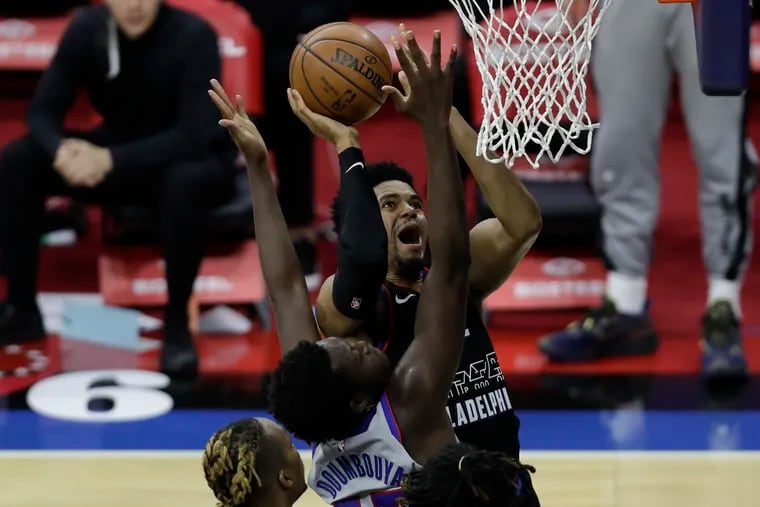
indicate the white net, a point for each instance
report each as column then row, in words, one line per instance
column 533, row 58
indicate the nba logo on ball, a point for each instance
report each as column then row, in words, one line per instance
column 340, row 69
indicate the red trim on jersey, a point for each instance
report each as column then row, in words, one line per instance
column 371, row 496
column 387, row 492
column 394, row 420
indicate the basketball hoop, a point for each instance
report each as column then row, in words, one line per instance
column 533, row 62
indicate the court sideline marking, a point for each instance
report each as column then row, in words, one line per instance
column 580, row 455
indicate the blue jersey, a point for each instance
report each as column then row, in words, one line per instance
column 365, row 469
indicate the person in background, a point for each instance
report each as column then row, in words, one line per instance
column 282, row 23
column 145, row 66
column 638, row 48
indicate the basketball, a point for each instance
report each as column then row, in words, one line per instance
column 339, row 69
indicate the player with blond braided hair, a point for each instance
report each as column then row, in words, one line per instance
column 253, row 462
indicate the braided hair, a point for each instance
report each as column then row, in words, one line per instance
column 463, row 475
column 229, row 462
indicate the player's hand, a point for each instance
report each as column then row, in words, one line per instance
column 428, row 88
column 342, row 136
column 242, row 130
column 66, row 152
column 82, row 164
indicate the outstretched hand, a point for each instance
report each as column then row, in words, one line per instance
column 235, row 119
column 342, row 136
column 428, row 88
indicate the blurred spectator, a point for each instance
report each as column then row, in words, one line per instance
column 638, row 47
column 146, row 68
column 281, row 23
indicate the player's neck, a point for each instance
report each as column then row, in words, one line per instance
column 275, row 498
column 395, row 279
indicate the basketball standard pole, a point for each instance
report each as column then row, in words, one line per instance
column 722, row 31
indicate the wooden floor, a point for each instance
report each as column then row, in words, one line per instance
column 562, row 480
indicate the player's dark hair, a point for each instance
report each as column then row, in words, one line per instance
column 229, row 462
column 309, row 398
column 462, row 475
column 376, row 173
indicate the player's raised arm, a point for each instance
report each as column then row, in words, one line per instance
column 282, row 273
column 426, row 370
column 348, row 297
column 499, row 243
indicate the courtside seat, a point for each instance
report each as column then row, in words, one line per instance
column 232, row 221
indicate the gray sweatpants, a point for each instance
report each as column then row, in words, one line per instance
column 639, row 45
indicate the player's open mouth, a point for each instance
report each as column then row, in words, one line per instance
column 410, row 235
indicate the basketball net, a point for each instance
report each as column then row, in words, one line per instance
column 533, row 61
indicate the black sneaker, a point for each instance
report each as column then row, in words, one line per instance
column 721, row 344
column 179, row 358
column 20, row 325
column 603, row 332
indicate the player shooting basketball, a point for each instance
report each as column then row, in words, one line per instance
column 347, row 398
column 381, row 269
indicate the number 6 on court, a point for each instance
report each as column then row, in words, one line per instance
column 102, row 396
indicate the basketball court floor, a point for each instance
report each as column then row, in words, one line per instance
column 140, row 463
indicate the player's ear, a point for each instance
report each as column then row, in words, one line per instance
column 285, row 479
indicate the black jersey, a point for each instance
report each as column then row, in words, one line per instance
column 478, row 403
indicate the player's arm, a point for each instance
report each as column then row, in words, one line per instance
column 284, row 279
column 348, row 297
column 424, row 374
column 496, row 244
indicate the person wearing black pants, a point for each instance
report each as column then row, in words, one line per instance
column 292, row 147
column 281, row 23
column 146, row 67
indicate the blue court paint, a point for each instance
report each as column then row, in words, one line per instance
column 541, row 430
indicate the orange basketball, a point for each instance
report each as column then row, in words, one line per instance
column 339, row 69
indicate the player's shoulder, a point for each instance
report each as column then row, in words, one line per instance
column 191, row 24
column 88, row 18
